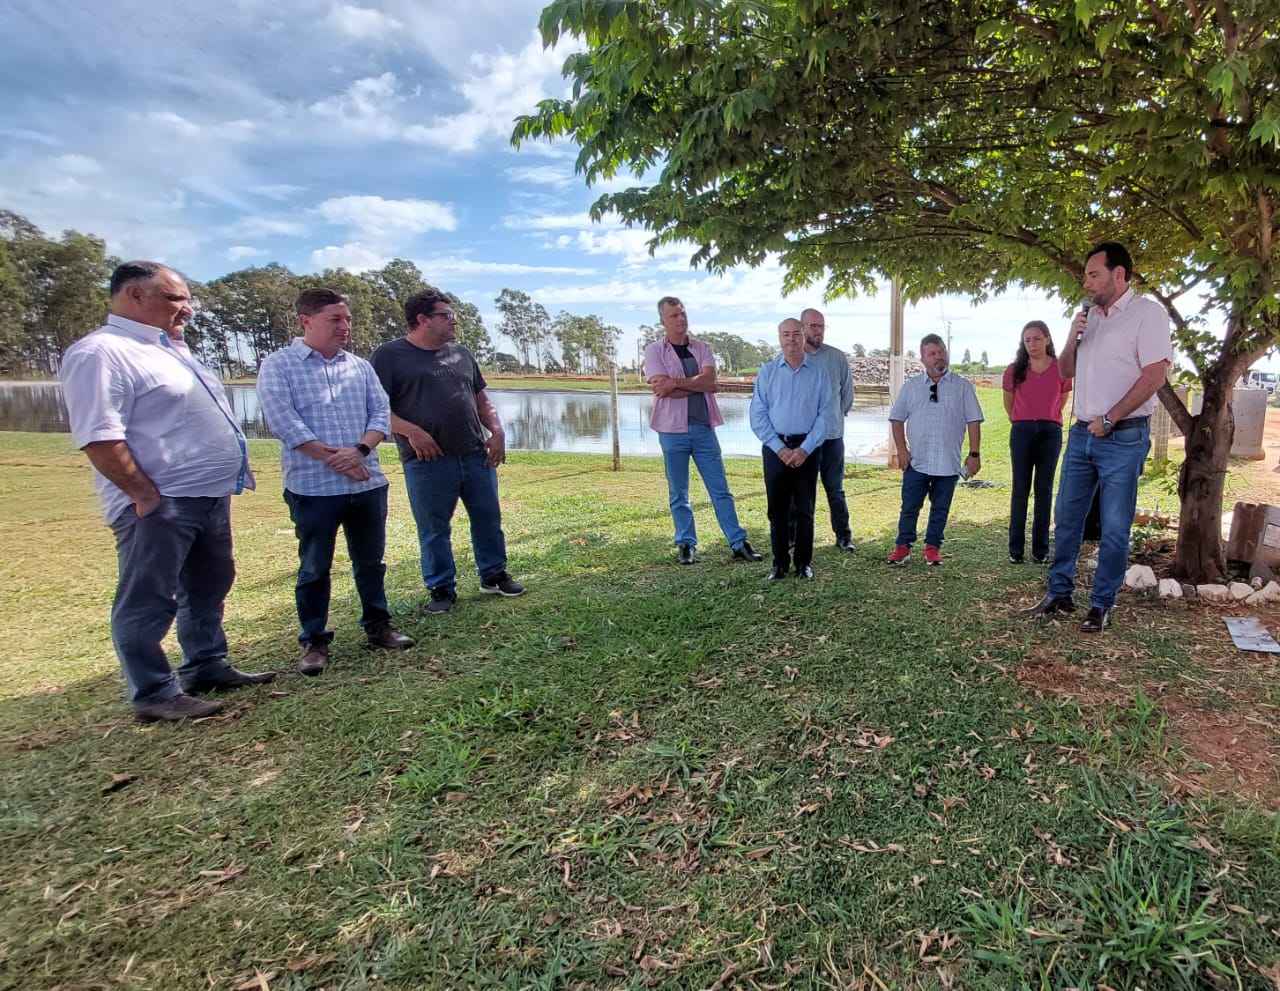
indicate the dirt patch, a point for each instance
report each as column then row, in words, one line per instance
column 1052, row 677
column 1238, row 750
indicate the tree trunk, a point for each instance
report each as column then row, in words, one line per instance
column 1199, row 557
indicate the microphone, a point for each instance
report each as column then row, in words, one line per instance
column 1086, row 306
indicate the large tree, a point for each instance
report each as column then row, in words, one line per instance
column 526, row 323
column 957, row 146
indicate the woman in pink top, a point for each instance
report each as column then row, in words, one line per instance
column 1034, row 395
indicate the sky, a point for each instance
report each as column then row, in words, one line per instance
column 321, row 134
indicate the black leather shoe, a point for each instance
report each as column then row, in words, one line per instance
column 227, row 680
column 776, row 574
column 1097, row 620
column 178, row 707
column 685, row 555
column 844, row 544
column 805, row 572
column 745, row 552
column 387, row 637
column 1051, row 605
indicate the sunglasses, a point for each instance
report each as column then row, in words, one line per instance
column 933, row 392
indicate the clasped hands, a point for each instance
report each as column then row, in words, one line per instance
column 346, row 461
column 793, row 457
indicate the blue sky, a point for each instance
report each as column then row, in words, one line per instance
column 213, row 136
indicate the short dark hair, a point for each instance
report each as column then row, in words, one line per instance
column 138, row 271
column 422, row 304
column 1117, row 257
column 931, row 339
column 312, row 301
column 668, row 301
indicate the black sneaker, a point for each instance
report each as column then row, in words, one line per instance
column 442, row 600
column 501, row 584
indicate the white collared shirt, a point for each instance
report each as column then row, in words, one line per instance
column 1117, row 346
column 125, row 381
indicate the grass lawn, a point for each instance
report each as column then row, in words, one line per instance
column 637, row 775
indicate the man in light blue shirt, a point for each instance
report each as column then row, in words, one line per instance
column 168, row 455
column 329, row 411
column 831, row 455
column 929, row 420
column 788, row 414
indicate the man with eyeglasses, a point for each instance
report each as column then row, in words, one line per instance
column 682, row 373
column 450, row 442
column 929, row 420
column 168, row 454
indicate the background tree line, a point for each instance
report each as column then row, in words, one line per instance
column 54, row 291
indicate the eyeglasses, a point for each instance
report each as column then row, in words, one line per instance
column 933, row 392
column 447, row 314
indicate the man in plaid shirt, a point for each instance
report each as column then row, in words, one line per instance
column 329, row 411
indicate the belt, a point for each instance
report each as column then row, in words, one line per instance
column 1125, row 424
column 792, row 440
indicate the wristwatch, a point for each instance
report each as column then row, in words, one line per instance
column 364, row 449
column 1107, row 425
column 974, row 454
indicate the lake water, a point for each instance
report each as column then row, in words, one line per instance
column 535, row 421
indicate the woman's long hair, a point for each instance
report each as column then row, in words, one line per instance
column 1023, row 360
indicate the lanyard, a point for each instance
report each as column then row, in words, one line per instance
column 221, row 404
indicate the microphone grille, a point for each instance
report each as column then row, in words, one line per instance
column 1087, row 305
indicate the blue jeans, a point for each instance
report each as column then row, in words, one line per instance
column 174, row 562
column 915, row 486
column 434, row 489
column 316, row 519
column 699, row 443
column 1034, row 446
column 1111, row 466
column 831, row 470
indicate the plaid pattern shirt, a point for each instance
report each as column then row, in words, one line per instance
column 306, row 397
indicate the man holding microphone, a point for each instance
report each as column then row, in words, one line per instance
column 1119, row 350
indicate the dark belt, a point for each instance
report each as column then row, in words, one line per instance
column 792, row 440
column 1126, row 424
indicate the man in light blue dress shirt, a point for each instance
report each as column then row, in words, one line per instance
column 789, row 415
column 329, row 411
column 929, row 420
column 168, row 455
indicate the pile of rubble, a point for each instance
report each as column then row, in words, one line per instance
column 875, row 371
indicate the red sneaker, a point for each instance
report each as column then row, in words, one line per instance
column 932, row 556
column 900, row 554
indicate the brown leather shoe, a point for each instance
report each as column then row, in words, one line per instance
column 314, row 659
column 388, row 637
column 178, row 707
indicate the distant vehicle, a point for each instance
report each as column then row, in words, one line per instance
column 1262, row 380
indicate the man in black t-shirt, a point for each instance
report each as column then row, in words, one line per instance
column 439, row 416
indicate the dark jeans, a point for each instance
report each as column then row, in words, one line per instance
column 316, row 519
column 1034, row 446
column 831, row 470
column 915, row 486
column 788, row 492
column 174, row 562
column 434, row 488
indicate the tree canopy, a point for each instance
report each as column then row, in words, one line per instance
column 959, row 147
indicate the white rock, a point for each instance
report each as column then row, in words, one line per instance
column 1139, row 577
column 1240, row 591
column 1170, row 589
column 1213, row 593
column 1268, row 593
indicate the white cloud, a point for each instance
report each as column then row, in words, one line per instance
column 375, row 218
column 467, row 267
column 175, row 125
column 542, row 175
column 253, row 228
column 362, row 23
column 555, row 222
column 363, row 108
column 240, row 252
column 76, row 165
column 276, row 190
column 354, row 257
